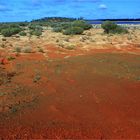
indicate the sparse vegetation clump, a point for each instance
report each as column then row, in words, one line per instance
column 23, row 33
column 36, row 32
column 36, row 78
column 71, row 47
column 3, row 45
column 10, row 58
column 7, row 32
column 35, row 29
column 23, row 24
column 57, row 29
column 9, row 29
column 3, row 39
column 82, row 24
column 40, row 50
column 71, row 28
column 54, row 19
column 17, row 49
column 32, row 26
column 27, row 50
column 65, row 25
column 111, row 27
column 73, row 31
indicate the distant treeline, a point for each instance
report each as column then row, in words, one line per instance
column 66, row 19
column 56, row 19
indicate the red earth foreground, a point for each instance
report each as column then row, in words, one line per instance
column 81, row 96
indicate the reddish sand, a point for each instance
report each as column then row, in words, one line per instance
column 95, row 95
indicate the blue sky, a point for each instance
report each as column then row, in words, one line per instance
column 21, row 10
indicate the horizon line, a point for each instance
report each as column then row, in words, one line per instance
column 74, row 18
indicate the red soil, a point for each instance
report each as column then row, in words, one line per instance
column 58, row 52
column 91, row 96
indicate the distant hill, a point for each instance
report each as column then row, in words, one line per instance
column 54, row 19
column 66, row 19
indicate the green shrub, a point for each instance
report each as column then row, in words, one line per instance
column 6, row 32
column 57, row 29
column 14, row 25
column 73, row 27
column 35, row 27
column 8, row 25
column 73, row 31
column 22, row 33
column 65, row 25
column 41, row 50
column 23, row 24
column 36, row 78
column 27, row 50
column 111, row 27
column 108, row 26
column 70, row 47
column 10, row 31
column 82, row 24
column 10, row 58
column 38, row 27
column 119, row 30
column 3, row 45
column 3, row 26
column 32, row 26
column 17, row 49
column 36, row 32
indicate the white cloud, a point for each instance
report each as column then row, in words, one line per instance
column 4, row 8
column 102, row 6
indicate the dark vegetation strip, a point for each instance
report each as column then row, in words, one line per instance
column 67, row 26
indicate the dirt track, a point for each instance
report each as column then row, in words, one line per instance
column 94, row 95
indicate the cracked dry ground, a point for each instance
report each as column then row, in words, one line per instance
column 89, row 96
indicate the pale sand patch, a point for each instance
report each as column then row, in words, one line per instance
column 91, row 39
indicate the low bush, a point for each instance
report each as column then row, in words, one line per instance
column 41, row 50
column 57, row 29
column 35, row 27
column 36, row 32
column 10, row 31
column 111, row 27
column 36, row 78
column 23, row 24
column 22, row 33
column 73, row 31
column 32, row 26
column 10, row 58
column 75, row 27
column 119, row 30
column 27, row 50
column 14, row 25
column 3, row 26
column 3, row 45
column 108, row 26
column 83, row 24
column 66, row 25
column 70, row 47
column 17, row 49
column 3, row 39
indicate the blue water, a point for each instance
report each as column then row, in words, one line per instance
column 118, row 22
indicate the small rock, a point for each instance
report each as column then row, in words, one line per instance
column 81, row 96
column 4, row 61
